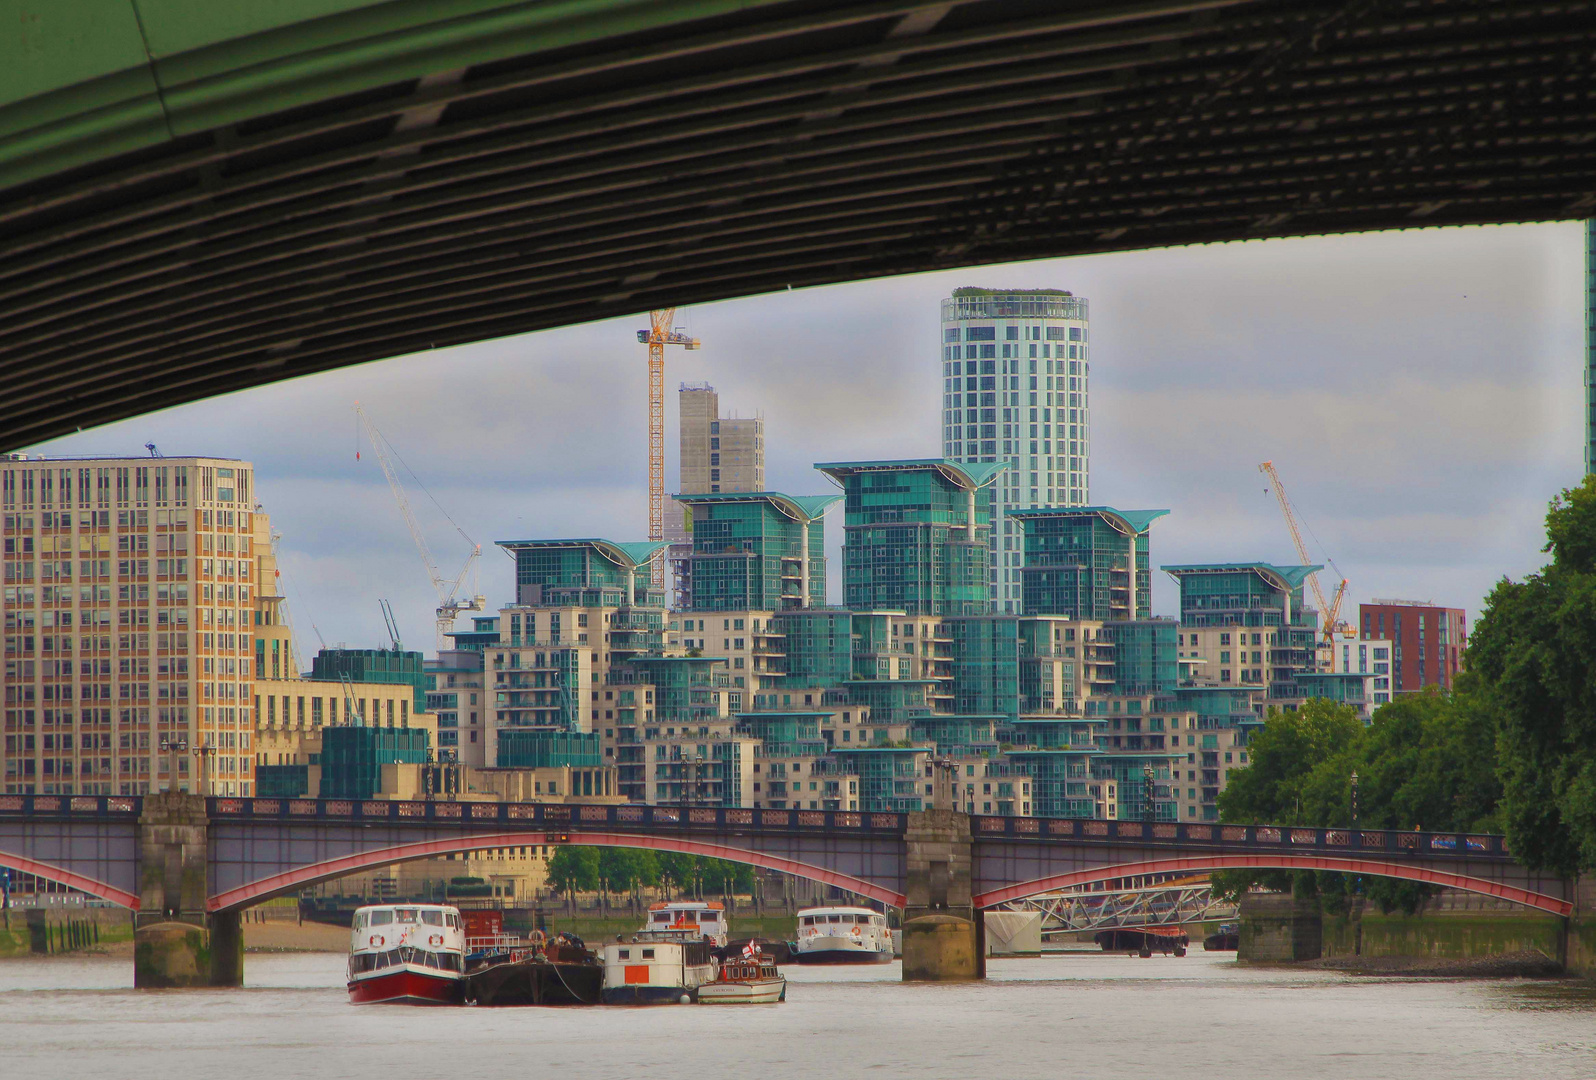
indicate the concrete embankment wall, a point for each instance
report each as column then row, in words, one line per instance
column 1451, row 926
column 36, row 931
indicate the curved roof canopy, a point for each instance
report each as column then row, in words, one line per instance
column 801, row 508
column 961, row 474
column 628, row 556
column 1285, row 578
column 1129, row 522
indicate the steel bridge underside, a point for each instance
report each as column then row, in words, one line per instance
column 197, row 198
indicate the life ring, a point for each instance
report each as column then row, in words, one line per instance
column 435, row 940
column 378, row 940
column 854, row 931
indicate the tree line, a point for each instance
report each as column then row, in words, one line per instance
column 1510, row 749
column 588, row 869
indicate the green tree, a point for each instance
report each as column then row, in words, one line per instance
column 624, row 868
column 1532, row 653
column 574, row 869
column 1279, row 786
column 676, row 869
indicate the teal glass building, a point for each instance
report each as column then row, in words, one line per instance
column 755, row 551
column 915, row 537
column 1088, row 562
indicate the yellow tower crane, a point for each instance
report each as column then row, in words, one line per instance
column 659, row 334
column 1333, row 609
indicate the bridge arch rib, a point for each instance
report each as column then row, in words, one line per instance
column 71, row 879
column 300, row 877
column 1283, row 861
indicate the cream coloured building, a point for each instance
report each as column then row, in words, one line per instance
column 129, row 600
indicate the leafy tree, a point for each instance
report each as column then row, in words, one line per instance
column 676, row 868
column 1532, row 652
column 624, row 868
column 574, row 869
column 1278, row 785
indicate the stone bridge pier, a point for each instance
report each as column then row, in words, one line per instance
column 943, row 933
column 176, row 941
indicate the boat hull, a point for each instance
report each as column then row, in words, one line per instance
column 841, row 950
column 406, row 986
column 758, row 992
column 650, row 995
column 537, row 982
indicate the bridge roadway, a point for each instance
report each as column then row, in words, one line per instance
column 260, row 848
column 198, row 197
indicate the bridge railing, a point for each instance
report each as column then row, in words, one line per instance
column 1297, row 839
column 558, row 817
column 86, row 806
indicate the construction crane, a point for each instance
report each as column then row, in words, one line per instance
column 448, row 589
column 1333, row 609
column 392, row 624
column 659, row 334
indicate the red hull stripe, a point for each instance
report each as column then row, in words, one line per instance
column 68, row 878
column 299, row 878
column 1204, row 863
column 404, row 985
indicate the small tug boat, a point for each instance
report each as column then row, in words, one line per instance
column 407, row 954
column 658, row 967
column 749, row 979
column 842, row 935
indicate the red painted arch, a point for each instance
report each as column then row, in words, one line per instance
column 70, row 879
column 300, row 877
column 1206, row 863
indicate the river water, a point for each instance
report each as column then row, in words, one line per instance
column 1087, row 1016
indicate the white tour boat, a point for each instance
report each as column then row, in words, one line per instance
column 842, row 935
column 702, row 918
column 407, row 953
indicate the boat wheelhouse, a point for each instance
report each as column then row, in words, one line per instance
column 658, row 967
column 842, row 935
column 703, row 918
column 750, row 978
column 410, row 954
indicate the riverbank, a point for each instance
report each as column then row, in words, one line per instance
column 1521, row 964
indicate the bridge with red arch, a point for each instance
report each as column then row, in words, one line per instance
column 254, row 849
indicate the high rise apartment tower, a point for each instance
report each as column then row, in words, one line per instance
column 1014, row 390
column 134, row 614
column 1427, row 641
column 718, row 454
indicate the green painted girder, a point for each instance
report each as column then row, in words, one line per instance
column 86, row 80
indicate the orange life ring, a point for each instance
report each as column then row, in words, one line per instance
column 378, row 940
column 435, row 940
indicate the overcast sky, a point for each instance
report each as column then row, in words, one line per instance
column 1419, row 393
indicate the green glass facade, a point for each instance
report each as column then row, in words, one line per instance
column 916, row 535
column 986, row 665
column 1089, row 562
column 1258, row 595
column 891, row 779
column 374, row 666
column 352, row 758
column 545, row 749
column 755, row 551
column 1146, row 659
column 685, row 687
column 785, row 734
column 819, row 647
column 892, row 701
column 1060, row 781
column 584, row 573
column 959, row 736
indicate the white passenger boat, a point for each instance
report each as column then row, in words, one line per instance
column 411, row 954
column 749, row 979
column 842, row 935
column 658, row 967
column 701, row 918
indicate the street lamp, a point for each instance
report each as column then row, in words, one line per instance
column 1354, row 798
column 173, row 745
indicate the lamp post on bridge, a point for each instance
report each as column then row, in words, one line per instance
column 1354, row 798
column 173, row 746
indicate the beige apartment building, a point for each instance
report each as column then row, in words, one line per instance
column 129, row 609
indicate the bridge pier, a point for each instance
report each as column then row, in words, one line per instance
column 1280, row 928
column 175, row 941
column 942, row 931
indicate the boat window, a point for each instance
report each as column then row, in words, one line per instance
column 432, row 918
column 708, row 916
column 648, row 954
column 834, row 918
column 405, row 914
column 381, row 918
column 624, row 954
column 809, row 920
column 663, row 916
column 452, row 919
column 360, row 920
